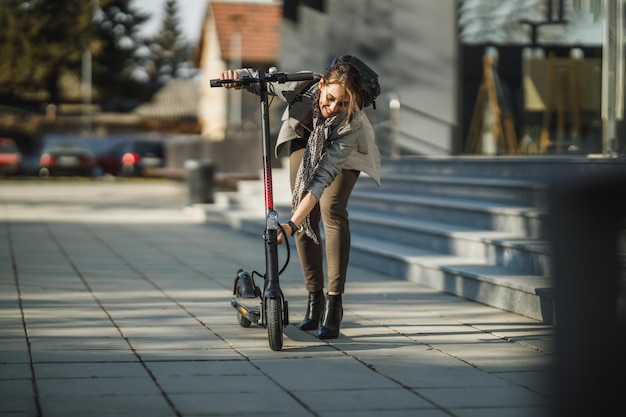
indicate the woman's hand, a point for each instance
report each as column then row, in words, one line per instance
column 230, row 75
column 287, row 229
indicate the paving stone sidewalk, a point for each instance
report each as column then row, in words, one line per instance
column 115, row 301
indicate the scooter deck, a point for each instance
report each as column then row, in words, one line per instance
column 253, row 314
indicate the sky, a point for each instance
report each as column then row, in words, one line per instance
column 191, row 15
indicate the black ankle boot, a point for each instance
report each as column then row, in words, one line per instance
column 333, row 313
column 313, row 311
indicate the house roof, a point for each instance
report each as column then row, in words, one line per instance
column 178, row 99
column 258, row 23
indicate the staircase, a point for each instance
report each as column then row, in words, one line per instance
column 470, row 226
column 466, row 226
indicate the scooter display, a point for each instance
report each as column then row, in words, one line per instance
column 271, row 311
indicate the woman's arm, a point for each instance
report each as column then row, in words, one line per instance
column 326, row 171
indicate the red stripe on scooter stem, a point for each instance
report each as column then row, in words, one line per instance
column 267, row 176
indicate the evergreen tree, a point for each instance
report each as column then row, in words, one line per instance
column 41, row 40
column 115, row 50
column 16, row 50
column 170, row 52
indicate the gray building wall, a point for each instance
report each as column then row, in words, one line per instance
column 411, row 44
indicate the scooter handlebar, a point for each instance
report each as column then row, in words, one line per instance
column 281, row 77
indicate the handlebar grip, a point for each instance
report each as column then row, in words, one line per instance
column 218, row 83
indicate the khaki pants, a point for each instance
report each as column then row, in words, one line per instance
column 332, row 211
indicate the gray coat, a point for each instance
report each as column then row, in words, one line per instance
column 349, row 146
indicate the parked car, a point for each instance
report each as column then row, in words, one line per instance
column 132, row 157
column 10, row 157
column 66, row 157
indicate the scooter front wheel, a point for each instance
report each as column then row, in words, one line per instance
column 275, row 323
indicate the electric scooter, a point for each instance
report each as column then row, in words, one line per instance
column 272, row 310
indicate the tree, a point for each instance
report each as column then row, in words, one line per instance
column 115, row 49
column 17, row 53
column 170, row 51
column 41, row 40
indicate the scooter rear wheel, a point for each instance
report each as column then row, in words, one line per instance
column 275, row 323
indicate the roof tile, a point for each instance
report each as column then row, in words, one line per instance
column 259, row 25
column 178, row 99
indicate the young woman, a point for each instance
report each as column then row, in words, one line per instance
column 330, row 141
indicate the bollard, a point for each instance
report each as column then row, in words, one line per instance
column 587, row 214
column 200, row 181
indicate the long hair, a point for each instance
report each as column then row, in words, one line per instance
column 349, row 78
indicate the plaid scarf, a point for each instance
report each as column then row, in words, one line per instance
column 312, row 155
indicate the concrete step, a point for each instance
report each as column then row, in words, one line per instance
column 502, row 217
column 539, row 169
column 528, row 295
column 514, row 252
column 509, row 191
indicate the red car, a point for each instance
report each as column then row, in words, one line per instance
column 10, row 157
column 133, row 157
